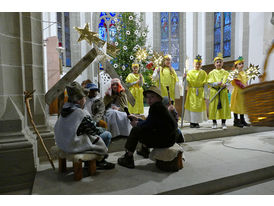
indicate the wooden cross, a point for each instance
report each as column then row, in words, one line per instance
column 75, row 71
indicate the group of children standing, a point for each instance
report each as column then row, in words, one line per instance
column 198, row 82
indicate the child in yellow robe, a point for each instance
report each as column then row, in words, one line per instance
column 195, row 106
column 135, row 82
column 168, row 77
column 219, row 106
column 237, row 99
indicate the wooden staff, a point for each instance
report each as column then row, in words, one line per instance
column 28, row 97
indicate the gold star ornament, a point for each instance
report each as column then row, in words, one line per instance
column 92, row 37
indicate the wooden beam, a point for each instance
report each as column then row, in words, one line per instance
column 113, row 74
column 73, row 73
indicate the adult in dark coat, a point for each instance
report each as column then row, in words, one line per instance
column 159, row 130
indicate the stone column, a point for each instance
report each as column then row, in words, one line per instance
column 34, row 78
column 21, row 68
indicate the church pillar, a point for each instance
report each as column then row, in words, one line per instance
column 17, row 144
column 21, row 68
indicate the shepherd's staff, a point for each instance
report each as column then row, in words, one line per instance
column 169, row 100
column 28, row 97
column 184, row 91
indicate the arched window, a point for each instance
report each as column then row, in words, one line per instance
column 222, row 33
column 107, row 27
column 170, row 36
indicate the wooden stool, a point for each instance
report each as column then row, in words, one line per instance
column 171, row 166
column 168, row 159
column 77, row 160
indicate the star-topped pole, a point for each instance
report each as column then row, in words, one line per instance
column 92, row 37
column 102, row 53
column 85, row 33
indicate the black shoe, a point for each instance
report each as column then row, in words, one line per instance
column 244, row 123
column 197, row 125
column 104, row 165
column 237, row 123
column 126, row 161
column 144, row 151
column 192, row 125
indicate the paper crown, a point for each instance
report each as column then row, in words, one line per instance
column 219, row 56
column 135, row 65
column 198, row 58
column 168, row 56
column 240, row 59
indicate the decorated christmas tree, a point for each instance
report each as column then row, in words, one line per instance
column 130, row 38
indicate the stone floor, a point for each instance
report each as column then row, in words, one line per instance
column 206, row 160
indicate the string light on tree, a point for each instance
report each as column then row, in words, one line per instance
column 141, row 54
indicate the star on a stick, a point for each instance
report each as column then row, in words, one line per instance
column 85, row 33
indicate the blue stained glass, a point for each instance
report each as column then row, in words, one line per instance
column 103, row 14
column 102, row 30
column 227, row 49
column 175, row 53
column 164, row 25
column 217, row 36
column 112, row 33
column 217, row 19
column 164, row 45
column 107, row 18
column 174, row 25
column 67, row 39
column 227, row 18
column 112, row 14
column 227, row 33
column 217, row 49
column 68, row 62
column 175, row 62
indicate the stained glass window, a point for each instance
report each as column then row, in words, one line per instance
column 67, row 39
column 63, row 34
column 107, row 27
column 222, row 33
column 217, row 33
column 60, row 33
column 227, row 34
column 170, row 36
column 103, row 30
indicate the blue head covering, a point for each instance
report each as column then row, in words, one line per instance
column 92, row 86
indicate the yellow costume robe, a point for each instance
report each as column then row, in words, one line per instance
column 195, row 93
column 167, row 78
column 214, row 113
column 237, row 99
column 137, row 92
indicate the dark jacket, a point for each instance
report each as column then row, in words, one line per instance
column 160, row 128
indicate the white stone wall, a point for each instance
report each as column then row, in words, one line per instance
column 149, row 23
column 260, row 36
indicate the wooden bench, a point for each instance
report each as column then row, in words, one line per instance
column 168, row 159
column 77, row 160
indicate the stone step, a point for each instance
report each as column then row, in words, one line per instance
column 211, row 166
column 203, row 133
column 225, row 183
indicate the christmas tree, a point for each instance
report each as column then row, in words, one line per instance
column 130, row 38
